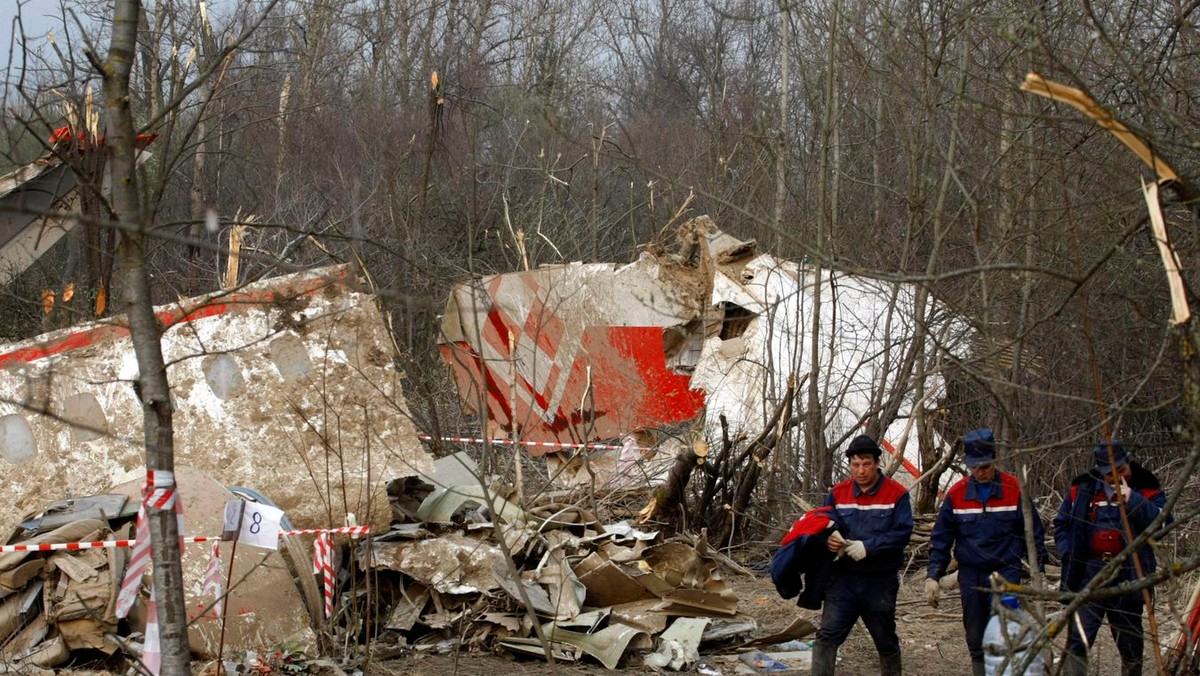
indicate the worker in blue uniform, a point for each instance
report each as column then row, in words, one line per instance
column 875, row 523
column 982, row 523
column 1088, row 532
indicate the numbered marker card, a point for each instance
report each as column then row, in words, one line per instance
column 253, row 523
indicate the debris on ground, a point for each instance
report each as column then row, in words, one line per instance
column 484, row 573
column 466, row 566
column 60, row 603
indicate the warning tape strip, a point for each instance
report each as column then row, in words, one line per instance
column 508, row 442
column 158, row 493
column 346, row 530
column 108, row 544
column 323, row 566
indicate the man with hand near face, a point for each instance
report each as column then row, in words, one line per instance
column 1088, row 532
column 983, row 522
column 875, row 523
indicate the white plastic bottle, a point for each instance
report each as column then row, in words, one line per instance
column 1009, row 633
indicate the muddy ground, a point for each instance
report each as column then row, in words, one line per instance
column 932, row 641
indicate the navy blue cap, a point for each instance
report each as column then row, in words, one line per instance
column 863, row 445
column 980, row 446
column 1120, row 456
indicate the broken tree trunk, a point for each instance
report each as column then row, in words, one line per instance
column 759, row 450
column 733, row 478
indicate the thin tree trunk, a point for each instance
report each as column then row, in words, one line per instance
column 145, row 332
column 818, row 465
column 778, row 460
column 781, row 149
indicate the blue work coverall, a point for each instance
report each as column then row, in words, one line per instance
column 986, row 537
column 1089, row 515
column 881, row 518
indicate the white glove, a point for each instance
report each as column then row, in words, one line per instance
column 933, row 592
column 856, row 550
column 836, row 544
column 1125, row 490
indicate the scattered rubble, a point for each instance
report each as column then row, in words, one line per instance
column 486, row 574
column 507, row 578
column 270, row 382
column 54, row 604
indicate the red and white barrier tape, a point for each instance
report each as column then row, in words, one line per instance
column 323, row 566
column 139, row 558
column 159, row 493
column 345, row 530
column 507, row 442
column 108, row 544
column 212, row 579
column 152, row 650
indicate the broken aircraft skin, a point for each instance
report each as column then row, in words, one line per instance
column 266, row 606
column 598, row 590
column 580, row 352
column 286, row 385
column 575, row 352
column 40, row 202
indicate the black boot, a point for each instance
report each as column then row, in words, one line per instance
column 977, row 669
column 1075, row 665
column 824, row 656
column 889, row 665
column 1131, row 668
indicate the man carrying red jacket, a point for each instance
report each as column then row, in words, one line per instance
column 875, row 523
column 983, row 522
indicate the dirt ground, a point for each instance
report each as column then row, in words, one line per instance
column 932, row 642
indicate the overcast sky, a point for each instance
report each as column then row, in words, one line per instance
column 37, row 17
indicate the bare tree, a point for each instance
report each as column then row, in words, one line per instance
column 145, row 331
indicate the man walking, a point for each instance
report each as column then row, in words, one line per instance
column 875, row 523
column 983, row 522
column 1088, row 532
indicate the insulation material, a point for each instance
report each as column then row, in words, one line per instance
column 71, row 532
column 15, row 611
column 18, row 576
column 287, row 385
column 452, row 564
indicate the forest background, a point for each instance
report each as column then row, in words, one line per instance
column 433, row 141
